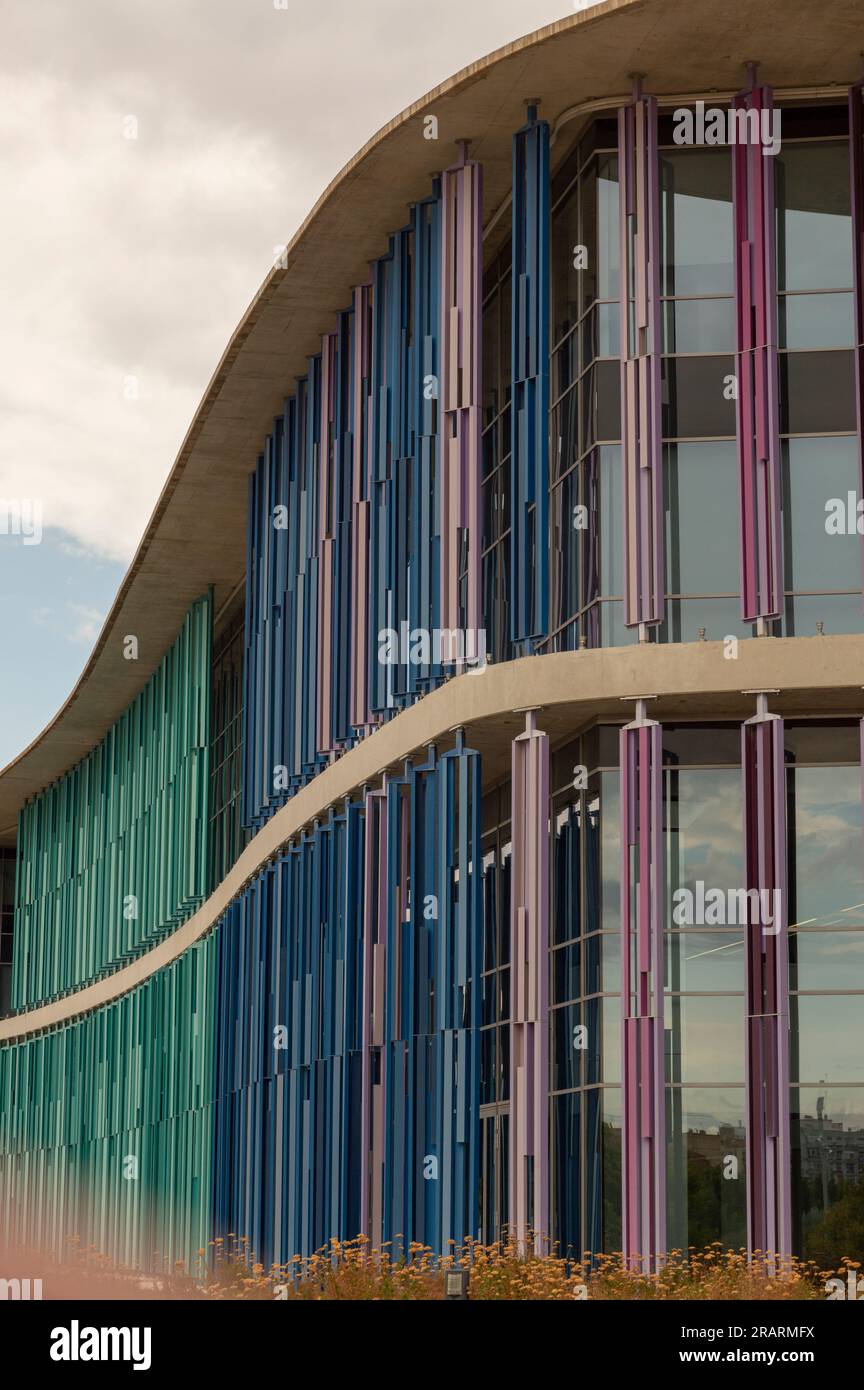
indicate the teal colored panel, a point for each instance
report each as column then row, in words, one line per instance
column 114, row 855
column 106, row 1124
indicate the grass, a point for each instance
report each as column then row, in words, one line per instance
column 355, row 1270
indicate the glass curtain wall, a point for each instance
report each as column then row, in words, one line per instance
column 704, row 988
column 817, row 400
column 495, row 1013
column 7, row 919
column 585, row 410
column 826, row 983
column 585, row 1082
column 700, row 479
column 497, row 388
column 822, row 555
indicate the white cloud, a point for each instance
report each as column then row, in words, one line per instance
column 87, row 624
column 136, row 258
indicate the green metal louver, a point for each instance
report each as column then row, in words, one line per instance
column 114, row 855
column 106, row 1124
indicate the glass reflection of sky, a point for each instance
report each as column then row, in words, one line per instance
column 827, row 960
column 611, row 850
column 708, row 1111
column 699, row 559
column 705, row 1038
column 843, row 1106
column 826, row 815
column 703, row 839
column 702, row 961
column 816, row 470
column 828, row 1043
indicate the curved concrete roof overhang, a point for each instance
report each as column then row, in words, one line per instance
column 196, row 535
column 815, row 675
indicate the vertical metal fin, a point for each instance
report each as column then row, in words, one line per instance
column 769, row 1203
column 856, row 183
column 529, row 407
column 757, row 411
column 643, row 1138
column 641, row 350
column 529, row 998
column 461, row 396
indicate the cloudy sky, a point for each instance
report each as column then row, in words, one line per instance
column 151, row 156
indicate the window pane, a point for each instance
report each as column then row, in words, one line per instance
column 607, row 321
column 607, row 461
column 565, row 974
column 567, row 1153
column 574, row 290
column 696, row 193
column 828, row 1173
column 602, row 403
column 814, row 244
column 611, row 1170
column 492, row 399
column 816, row 321
column 568, row 537
column 695, row 403
column 701, row 498
column 825, row 879
column 719, row 617
column 705, row 961
column 593, row 948
column 836, row 613
column 565, row 277
column 705, row 1038
column 706, row 1192
column 817, row 393
column 496, row 600
column 606, row 230
column 603, row 1170
column 691, row 744
column 610, row 852
column 830, row 742
column 611, row 961
column 699, row 325
column 817, row 473
column 487, row 1066
column 603, row 1052
column 612, row 630
column 827, row 1037
column 826, row 960
column 566, row 914
column 566, row 1071
column 703, row 832
column 564, row 431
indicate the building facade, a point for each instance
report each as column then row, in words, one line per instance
column 483, row 850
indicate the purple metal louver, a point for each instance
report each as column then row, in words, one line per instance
column 360, row 714
column 757, row 410
column 460, row 388
column 856, row 184
column 326, row 490
column 529, row 999
column 643, row 1138
column 769, row 1220
column 641, row 349
column 372, row 1136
